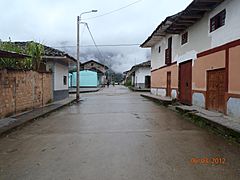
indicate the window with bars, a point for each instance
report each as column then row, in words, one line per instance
column 218, row 21
column 184, row 38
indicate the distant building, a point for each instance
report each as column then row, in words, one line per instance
column 139, row 75
column 195, row 56
column 87, row 79
column 58, row 63
column 92, row 74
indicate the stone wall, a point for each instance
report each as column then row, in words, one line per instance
column 23, row 90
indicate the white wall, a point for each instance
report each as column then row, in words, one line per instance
column 199, row 36
column 198, row 41
column 158, row 58
column 231, row 30
column 140, row 74
column 60, row 71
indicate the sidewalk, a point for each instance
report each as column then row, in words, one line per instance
column 160, row 99
column 84, row 90
column 218, row 122
column 6, row 124
column 139, row 90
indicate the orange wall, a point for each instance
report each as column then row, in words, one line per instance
column 234, row 68
column 159, row 77
column 202, row 64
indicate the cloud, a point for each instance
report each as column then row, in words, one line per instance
column 54, row 23
column 117, row 58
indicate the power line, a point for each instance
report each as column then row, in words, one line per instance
column 100, row 45
column 113, row 11
column 94, row 42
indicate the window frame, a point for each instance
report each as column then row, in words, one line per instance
column 218, row 21
column 184, row 38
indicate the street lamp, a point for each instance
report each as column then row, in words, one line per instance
column 78, row 52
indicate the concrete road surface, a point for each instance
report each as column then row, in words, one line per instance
column 115, row 134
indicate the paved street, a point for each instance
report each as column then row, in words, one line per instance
column 115, row 134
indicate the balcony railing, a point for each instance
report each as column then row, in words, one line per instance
column 168, row 56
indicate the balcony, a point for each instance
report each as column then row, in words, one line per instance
column 168, row 56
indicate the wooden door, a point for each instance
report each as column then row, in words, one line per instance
column 147, row 81
column 170, row 43
column 168, row 90
column 216, row 90
column 185, row 82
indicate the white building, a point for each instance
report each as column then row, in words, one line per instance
column 141, row 75
column 195, row 49
column 58, row 63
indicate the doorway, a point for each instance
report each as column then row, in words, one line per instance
column 216, row 90
column 147, row 81
column 185, row 82
column 168, row 91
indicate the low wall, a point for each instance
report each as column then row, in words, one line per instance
column 23, row 90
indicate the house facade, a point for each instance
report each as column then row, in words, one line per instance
column 195, row 56
column 139, row 75
column 57, row 62
column 92, row 74
column 22, row 89
column 97, row 67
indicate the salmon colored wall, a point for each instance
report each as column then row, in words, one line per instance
column 234, row 67
column 159, row 77
column 202, row 64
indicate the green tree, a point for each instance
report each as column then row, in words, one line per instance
column 33, row 49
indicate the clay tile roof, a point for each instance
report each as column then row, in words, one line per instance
column 49, row 51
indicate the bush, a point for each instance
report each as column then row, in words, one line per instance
column 33, row 49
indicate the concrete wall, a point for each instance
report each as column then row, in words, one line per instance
column 59, row 72
column 87, row 79
column 23, row 90
column 234, row 67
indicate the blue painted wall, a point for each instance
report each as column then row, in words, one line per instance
column 87, row 79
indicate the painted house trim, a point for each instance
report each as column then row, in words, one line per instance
column 219, row 48
column 175, row 62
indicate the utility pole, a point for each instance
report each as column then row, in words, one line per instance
column 78, row 65
column 78, row 53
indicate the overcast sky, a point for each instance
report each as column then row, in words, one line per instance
column 53, row 23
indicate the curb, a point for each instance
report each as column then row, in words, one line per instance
column 202, row 121
column 158, row 100
column 139, row 90
column 21, row 122
column 86, row 91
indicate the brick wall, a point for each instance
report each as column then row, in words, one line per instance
column 23, row 90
